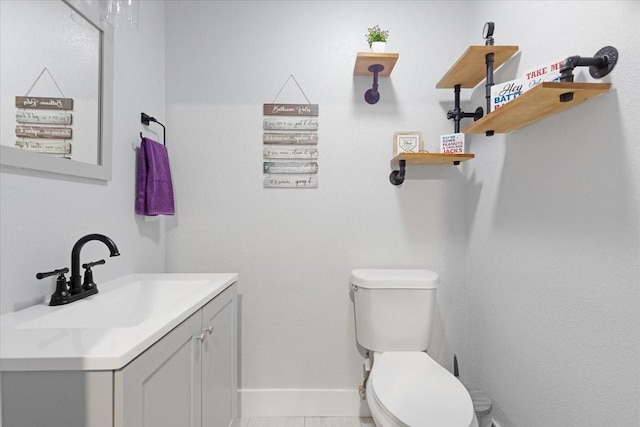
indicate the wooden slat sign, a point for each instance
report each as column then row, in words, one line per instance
column 43, row 132
column 290, row 123
column 290, row 167
column 290, row 110
column 290, row 181
column 44, row 103
column 51, row 147
column 43, row 117
column 289, row 152
column 306, row 138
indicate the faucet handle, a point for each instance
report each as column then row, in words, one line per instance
column 61, row 295
column 88, row 282
column 59, row 272
column 91, row 264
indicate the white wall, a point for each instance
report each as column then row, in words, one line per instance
column 42, row 215
column 294, row 249
column 553, row 274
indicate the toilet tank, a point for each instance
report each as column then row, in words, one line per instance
column 394, row 308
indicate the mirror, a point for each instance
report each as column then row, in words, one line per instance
column 56, row 87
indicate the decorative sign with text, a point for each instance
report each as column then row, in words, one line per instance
column 547, row 72
column 63, row 148
column 45, row 121
column 290, row 145
column 43, row 132
column 44, row 112
column 503, row 93
column 290, row 110
column 44, row 103
column 452, row 143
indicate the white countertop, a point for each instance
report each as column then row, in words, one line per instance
column 35, row 339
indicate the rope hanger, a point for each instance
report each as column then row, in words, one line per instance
column 38, row 79
column 297, row 84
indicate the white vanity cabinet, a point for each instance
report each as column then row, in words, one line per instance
column 187, row 378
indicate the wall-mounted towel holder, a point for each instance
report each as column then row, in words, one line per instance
column 145, row 119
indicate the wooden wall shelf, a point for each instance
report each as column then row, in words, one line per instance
column 431, row 158
column 365, row 59
column 536, row 104
column 470, row 69
column 397, row 177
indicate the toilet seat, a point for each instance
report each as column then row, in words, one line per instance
column 414, row 390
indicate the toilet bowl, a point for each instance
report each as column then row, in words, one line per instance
column 394, row 319
column 411, row 389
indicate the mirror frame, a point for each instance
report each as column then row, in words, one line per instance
column 15, row 157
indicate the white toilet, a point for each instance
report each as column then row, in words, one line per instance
column 394, row 313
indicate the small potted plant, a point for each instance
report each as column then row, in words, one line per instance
column 377, row 38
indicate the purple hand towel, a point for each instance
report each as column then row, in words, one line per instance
column 155, row 189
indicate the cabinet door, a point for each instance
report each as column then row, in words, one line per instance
column 219, row 378
column 161, row 387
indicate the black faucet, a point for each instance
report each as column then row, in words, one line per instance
column 75, row 281
column 74, row 290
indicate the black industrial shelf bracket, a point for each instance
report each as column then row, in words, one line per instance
column 372, row 95
column 599, row 65
column 397, row 177
column 457, row 114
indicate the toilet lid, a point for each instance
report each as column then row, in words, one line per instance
column 414, row 389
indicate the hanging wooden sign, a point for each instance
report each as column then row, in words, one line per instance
column 290, row 181
column 288, row 152
column 290, row 143
column 44, row 103
column 51, row 147
column 306, row 138
column 44, row 117
column 43, row 132
column 290, row 109
column 290, row 123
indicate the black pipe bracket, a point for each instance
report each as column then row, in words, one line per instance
column 372, row 96
column 397, row 177
column 601, row 64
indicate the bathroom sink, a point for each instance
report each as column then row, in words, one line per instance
column 107, row 330
column 125, row 307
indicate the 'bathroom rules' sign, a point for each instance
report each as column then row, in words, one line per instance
column 290, row 145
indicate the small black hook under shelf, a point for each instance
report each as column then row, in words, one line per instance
column 145, row 119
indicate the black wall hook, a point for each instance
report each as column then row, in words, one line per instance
column 145, row 119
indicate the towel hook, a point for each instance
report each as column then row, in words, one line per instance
column 145, row 119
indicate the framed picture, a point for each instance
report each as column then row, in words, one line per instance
column 407, row 142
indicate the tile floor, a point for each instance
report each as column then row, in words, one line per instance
column 304, row 422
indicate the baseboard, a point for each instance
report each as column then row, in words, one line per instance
column 301, row 403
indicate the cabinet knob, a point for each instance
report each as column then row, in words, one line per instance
column 210, row 330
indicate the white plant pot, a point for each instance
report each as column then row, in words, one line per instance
column 378, row 47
